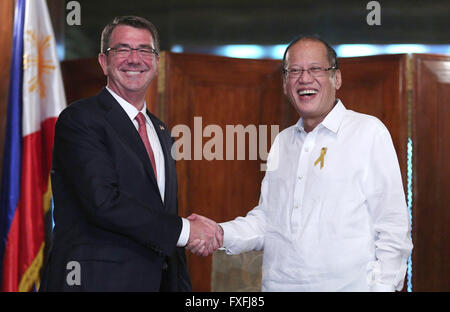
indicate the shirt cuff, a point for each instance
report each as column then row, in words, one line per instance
column 223, row 225
column 184, row 235
column 226, row 239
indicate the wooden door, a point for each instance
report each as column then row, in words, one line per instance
column 431, row 173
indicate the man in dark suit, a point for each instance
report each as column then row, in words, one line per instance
column 114, row 181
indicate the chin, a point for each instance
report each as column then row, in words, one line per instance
column 135, row 85
column 305, row 107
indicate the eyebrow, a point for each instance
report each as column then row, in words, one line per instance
column 128, row 46
column 310, row 64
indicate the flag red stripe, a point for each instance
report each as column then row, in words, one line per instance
column 27, row 231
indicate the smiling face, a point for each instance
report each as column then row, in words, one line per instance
column 312, row 97
column 129, row 76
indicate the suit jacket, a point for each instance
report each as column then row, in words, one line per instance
column 109, row 215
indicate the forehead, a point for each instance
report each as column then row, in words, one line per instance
column 130, row 35
column 307, row 52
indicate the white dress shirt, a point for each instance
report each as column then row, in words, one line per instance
column 158, row 153
column 342, row 227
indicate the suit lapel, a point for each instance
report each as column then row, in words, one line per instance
column 120, row 121
column 166, row 148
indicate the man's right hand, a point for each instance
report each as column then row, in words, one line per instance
column 205, row 237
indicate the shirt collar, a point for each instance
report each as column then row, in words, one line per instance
column 299, row 125
column 334, row 118
column 332, row 121
column 128, row 107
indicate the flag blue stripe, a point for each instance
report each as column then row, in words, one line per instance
column 10, row 192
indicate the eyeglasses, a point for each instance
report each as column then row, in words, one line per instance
column 315, row 71
column 123, row 51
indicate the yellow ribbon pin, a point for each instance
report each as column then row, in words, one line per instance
column 321, row 158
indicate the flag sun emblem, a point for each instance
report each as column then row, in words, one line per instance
column 39, row 62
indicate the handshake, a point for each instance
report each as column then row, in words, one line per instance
column 206, row 236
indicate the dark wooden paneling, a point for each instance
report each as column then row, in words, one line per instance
column 431, row 173
column 82, row 78
column 222, row 91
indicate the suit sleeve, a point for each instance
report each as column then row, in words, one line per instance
column 81, row 152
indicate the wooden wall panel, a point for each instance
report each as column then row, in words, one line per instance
column 6, row 29
column 431, row 173
column 222, row 91
column 82, row 78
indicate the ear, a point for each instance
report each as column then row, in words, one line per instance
column 284, row 85
column 102, row 59
column 337, row 79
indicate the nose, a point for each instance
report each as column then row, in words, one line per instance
column 305, row 77
column 133, row 57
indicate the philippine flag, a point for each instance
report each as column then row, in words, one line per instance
column 36, row 97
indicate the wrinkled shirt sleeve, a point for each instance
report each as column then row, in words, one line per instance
column 386, row 201
column 246, row 233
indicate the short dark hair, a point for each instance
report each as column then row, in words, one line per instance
column 331, row 53
column 133, row 21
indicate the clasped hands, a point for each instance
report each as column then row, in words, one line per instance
column 205, row 237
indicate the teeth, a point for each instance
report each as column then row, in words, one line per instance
column 133, row 72
column 303, row 92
